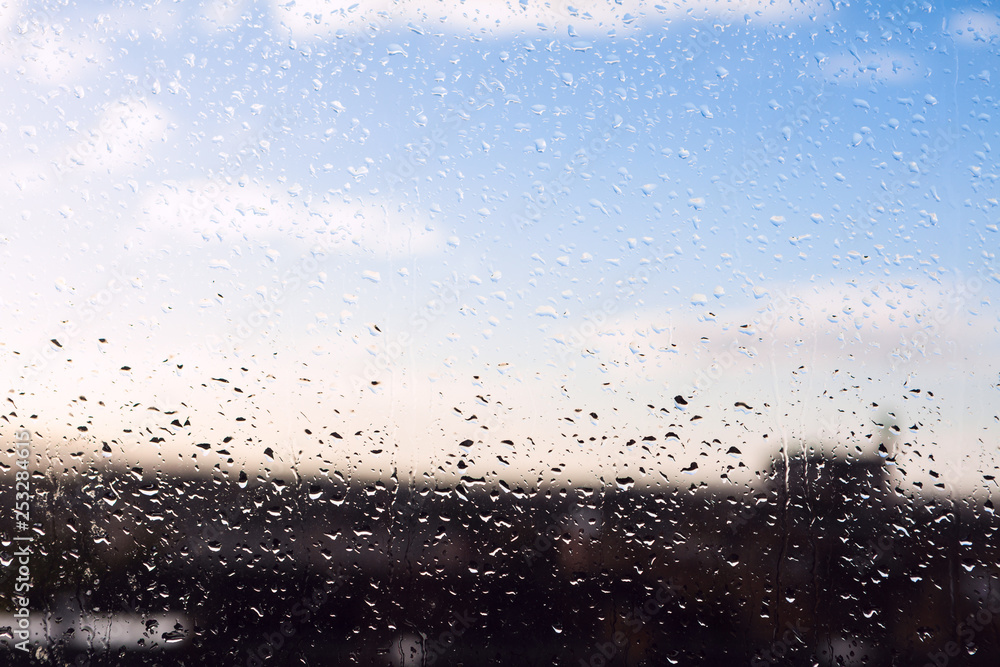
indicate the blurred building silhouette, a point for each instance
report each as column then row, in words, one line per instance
column 823, row 563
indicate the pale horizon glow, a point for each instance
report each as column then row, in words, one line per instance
column 492, row 217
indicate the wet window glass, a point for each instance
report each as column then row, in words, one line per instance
column 499, row 333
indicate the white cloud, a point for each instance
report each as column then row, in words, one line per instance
column 323, row 19
column 886, row 328
column 123, row 137
column 974, row 27
column 118, row 142
column 209, row 210
column 38, row 45
column 10, row 12
column 886, row 324
column 219, row 14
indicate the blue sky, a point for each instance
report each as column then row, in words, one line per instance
column 514, row 210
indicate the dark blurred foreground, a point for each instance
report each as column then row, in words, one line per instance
column 824, row 565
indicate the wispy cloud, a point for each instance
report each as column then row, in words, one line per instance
column 322, row 19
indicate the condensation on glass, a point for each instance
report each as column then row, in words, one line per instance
column 506, row 333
